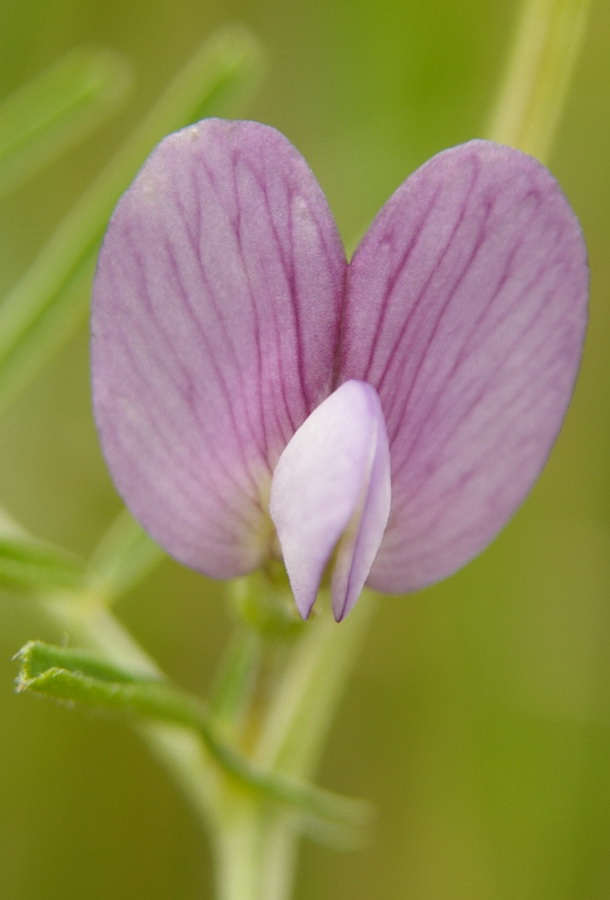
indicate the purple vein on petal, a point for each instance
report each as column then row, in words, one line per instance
column 219, row 326
column 250, row 413
column 379, row 299
column 286, row 425
column 222, row 288
column 215, row 452
column 257, row 414
column 390, row 355
column 520, row 406
column 395, row 417
column 482, row 325
column 465, row 350
column 185, row 474
column 179, row 366
column 430, row 397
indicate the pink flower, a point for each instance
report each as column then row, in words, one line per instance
column 258, row 396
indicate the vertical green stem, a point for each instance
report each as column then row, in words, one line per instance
column 304, row 704
column 256, row 847
column 255, row 852
column 546, row 45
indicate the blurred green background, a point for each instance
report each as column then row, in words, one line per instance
column 478, row 718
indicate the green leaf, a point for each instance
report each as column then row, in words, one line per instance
column 31, row 565
column 84, row 678
column 38, row 659
column 49, row 301
column 54, row 110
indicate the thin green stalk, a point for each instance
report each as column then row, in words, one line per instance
column 255, row 853
column 28, row 566
column 232, row 691
column 54, row 110
column 124, row 555
column 44, row 306
column 540, row 65
column 256, row 847
column 92, row 680
column 303, row 706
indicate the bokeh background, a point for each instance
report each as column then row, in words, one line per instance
column 478, row 718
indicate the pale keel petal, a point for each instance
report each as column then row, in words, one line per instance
column 331, row 492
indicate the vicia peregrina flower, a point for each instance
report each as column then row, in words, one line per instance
column 258, row 396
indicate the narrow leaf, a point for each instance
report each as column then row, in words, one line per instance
column 44, row 307
column 52, row 111
column 37, row 659
column 30, row 565
column 77, row 676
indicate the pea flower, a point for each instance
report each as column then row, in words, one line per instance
column 376, row 421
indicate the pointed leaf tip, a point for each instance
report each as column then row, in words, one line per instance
column 330, row 494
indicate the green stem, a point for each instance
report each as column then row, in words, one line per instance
column 303, row 707
column 255, row 853
column 239, row 802
column 256, row 847
column 124, row 555
column 235, row 681
column 44, row 306
column 540, row 65
column 92, row 680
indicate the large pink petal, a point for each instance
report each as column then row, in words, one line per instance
column 215, row 320
column 467, row 311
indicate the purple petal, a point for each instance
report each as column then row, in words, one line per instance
column 331, row 494
column 467, row 312
column 215, row 320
